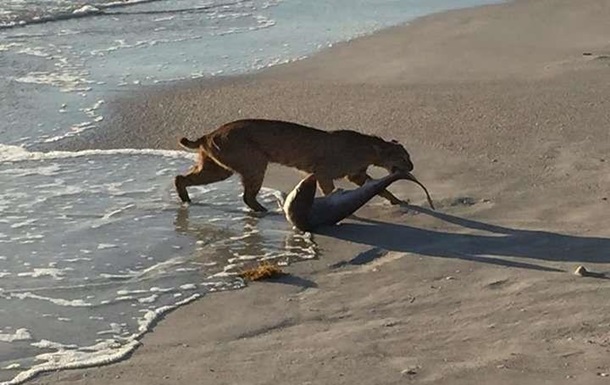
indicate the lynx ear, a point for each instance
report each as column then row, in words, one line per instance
column 380, row 150
column 397, row 145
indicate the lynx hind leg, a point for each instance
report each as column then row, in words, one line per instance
column 253, row 181
column 206, row 172
column 361, row 178
column 250, row 164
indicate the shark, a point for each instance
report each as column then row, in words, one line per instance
column 307, row 212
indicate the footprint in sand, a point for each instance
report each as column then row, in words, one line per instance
column 587, row 60
column 598, row 58
column 461, row 201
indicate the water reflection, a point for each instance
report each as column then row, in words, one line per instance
column 231, row 241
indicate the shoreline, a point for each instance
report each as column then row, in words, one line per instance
column 513, row 152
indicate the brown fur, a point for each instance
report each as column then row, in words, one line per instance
column 247, row 146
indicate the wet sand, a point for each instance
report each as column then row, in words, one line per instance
column 505, row 110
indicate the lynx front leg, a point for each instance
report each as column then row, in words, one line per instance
column 327, row 185
column 252, row 184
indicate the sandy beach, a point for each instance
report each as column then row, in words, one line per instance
column 505, row 110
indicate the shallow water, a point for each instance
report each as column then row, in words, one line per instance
column 95, row 240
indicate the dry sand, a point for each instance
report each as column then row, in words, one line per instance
column 508, row 123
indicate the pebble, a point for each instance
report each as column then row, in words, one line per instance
column 410, row 372
column 390, row 323
column 581, row 271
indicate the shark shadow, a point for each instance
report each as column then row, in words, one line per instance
column 498, row 244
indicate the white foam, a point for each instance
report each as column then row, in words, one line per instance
column 10, row 153
column 243, row 258
column 150, row 299
column 75, row 129
column 162, row 266
column 104, row 246
column 44, row 272
column 19, row 335
column 120, row 44
column 186, row 269
column 167, row 18
column 104, row 353
column 115, row 329
column 27, row 238
column 78, row 259
column 224, row 274
column 150, row 316
column 151, row 271
column 25, row 223
column 128, row 292
column 67, row 82
column 57, row 301
column 49, row 170
column 117, row 276
column 46, row 344
column 6, row 47
column 121, row 3
column 86, row 9
column 121, row 298
column 34, row 51
column 91, row 111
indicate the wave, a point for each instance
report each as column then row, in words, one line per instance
column 10, row 153
column 28, row 16
column 103, row 353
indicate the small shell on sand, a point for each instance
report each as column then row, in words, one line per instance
column 581, row 271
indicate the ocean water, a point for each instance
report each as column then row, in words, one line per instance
column 91, row 253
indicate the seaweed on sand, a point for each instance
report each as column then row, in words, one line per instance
column 263, row 270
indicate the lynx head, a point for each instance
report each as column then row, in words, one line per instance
column 393, row 157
